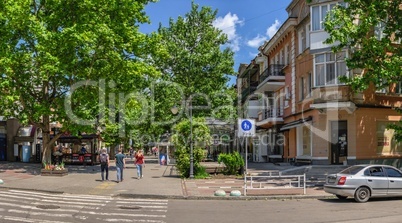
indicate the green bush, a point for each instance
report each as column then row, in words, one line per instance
column 232, row 161
column 183, row 162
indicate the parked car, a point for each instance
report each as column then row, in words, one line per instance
column 365, row 181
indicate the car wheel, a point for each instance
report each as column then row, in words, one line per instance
column 362, row 194
column 341, row 197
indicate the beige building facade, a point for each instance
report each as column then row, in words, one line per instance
column 303, row 112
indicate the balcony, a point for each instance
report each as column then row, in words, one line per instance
column 272, row 78
column 249, row 90
column 270, row 116
column 333, row 98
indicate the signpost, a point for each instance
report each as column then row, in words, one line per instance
column 246, row 128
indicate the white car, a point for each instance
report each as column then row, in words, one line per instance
column 365, row 181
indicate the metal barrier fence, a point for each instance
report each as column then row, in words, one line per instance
column 273, row 180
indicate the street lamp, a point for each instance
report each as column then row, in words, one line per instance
column 175, row 110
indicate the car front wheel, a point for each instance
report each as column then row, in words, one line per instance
column 362, row 194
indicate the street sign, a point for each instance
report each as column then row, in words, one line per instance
column 246, row 127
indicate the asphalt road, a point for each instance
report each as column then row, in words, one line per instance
column 285, row 211
column 28, row 206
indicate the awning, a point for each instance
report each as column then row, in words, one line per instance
column 296, row 123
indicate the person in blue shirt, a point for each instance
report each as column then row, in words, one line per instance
column 120, row 165
column 83, row 150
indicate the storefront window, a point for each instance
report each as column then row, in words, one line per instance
column 306, row 141
column 386, row 143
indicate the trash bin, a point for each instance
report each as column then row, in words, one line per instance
column 26, row 153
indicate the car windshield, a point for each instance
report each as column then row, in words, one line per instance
column 352, row 170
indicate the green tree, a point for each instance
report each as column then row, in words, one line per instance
column 69, row 61
column 195, row 61
column 369, row 30
column 181, row 138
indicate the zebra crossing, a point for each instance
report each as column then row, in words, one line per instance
column 41, row 207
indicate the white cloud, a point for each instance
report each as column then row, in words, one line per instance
column 256, row 41
column 228, row 26
column 259, row 39
column 273, row 29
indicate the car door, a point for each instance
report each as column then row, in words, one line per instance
column 395, row 181
column 377, row 180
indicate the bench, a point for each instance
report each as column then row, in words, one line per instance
column 303, row 161
column 275, row 158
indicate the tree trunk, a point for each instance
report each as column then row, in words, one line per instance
column 46, row 141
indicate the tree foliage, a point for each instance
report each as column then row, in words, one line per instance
column 182, row 137
column 357, row 28
column 55, row 54
column 196, row 61
column 371, row 30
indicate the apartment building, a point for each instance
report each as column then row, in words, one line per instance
column 303, row 112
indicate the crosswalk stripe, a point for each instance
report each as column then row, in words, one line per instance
column 131, row 220
column 66, row 196
column 29, row 206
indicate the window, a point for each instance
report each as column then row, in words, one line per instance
column 309, row 85
column 379, row 33
column 301, row 88
column 282, row 56
column 306, row 141
column 398, row 88
column 386, row 142
column 287, row 96
column 287, row 52
column 302, row 40
column 375, row 172
column 318, row 14
column 305, row 87
column 391, row 172
column 380, row 86
column 379, row 30
column 329, row 67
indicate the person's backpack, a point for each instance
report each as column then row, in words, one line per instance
column 103, row 158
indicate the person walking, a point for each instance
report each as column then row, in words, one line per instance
column 120, row 165
column 140, row 163
column 104, row 160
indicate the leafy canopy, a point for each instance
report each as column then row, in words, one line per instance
column 55, row 54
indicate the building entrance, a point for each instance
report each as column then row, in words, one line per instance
column 3, row 147
column 339, row 141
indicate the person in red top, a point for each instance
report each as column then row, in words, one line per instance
column 140, row 163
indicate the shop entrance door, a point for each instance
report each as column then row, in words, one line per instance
column 3, row 147
column 339, row 145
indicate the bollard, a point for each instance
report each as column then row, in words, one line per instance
column 235, row 193
column 220, row 193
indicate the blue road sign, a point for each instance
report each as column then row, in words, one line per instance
column 246, row 125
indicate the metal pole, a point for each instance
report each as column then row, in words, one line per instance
column 245, row 172
column 191, row 142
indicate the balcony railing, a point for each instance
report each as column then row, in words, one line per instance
column 272, row 70
column 249, row 90
column 272, row 113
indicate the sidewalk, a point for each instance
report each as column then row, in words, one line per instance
column 158, row 182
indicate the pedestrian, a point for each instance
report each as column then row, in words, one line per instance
column 131, row 152
column 83, row 149
column 120, row 165
column 104, row 160
column 140, row 163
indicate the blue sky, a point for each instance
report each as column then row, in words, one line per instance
column 248, row 23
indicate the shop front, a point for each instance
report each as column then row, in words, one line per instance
column 83, row 150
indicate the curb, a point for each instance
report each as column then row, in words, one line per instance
column 243, row 198
column 182, row 197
